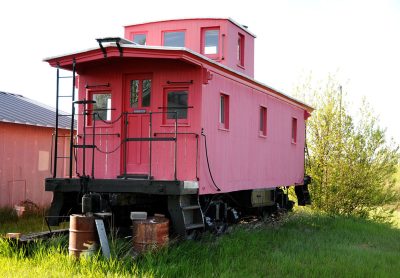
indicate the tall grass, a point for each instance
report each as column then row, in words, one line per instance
column 11, row 223
column 302, row 245
column 28, row 223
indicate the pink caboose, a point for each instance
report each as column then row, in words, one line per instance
column 170, row 120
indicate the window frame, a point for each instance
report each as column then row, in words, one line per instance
column 217, row 55
column 141, row 78
column 294, row 130
column 171, row 122
column 240, row 49
column 89, row 96
column 225, row 124
column 263, row 121
column 133, row 34
column 173, row 31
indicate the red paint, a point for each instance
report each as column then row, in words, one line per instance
column 194, row 29
column 240, row 157
column 25, row 153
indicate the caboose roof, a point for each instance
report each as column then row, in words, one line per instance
column 164, row 52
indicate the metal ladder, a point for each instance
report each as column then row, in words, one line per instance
column 58, row 115
column 85, row 113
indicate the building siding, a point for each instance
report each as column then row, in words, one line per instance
column 25, row 158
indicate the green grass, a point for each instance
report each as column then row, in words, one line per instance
column 30, row 222
column 303, row 245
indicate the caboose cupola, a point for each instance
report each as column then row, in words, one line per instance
column 222, row 40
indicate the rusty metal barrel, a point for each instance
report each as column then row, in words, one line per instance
column 82, row 235
column 150, row 234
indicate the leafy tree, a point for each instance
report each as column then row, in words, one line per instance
column 350, row 162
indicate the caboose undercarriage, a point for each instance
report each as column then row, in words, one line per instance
column 178, row 200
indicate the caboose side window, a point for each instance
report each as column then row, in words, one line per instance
column 224, row 111
column 240, row 50
column 210, row 41
column 102, row 108
column 177, row 101
column 175, row 38
column 139, row 39
column 294, row 130
column 263, row 121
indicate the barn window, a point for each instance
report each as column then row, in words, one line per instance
column 294, row 130
column 263, row 121
column 224, row 111
column 139, row 39
column 102, row 108
column 175, row 38
column 210, row 41
column 177, row 101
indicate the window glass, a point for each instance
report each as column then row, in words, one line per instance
column 263, row 121
column 102, row 107
column 176, row 39
column 134, row 93
column 177, row 101
column 211, row 38
column 294, row 130
column 139, row 39
column 146, row 92
column 240, row 50
column 224, row 111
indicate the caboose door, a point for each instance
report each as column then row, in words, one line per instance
column 137, row 99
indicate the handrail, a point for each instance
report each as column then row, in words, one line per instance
column 72, row 117
column 150, row 138
column 125, row 139
column 197, row 144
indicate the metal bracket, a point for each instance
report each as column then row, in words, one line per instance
column 115, row 40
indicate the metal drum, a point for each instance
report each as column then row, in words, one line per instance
column 82, row 235
column 150, row 234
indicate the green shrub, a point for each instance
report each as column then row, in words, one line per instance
column 351, row 162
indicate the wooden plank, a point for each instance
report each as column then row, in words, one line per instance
column 101, row 230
